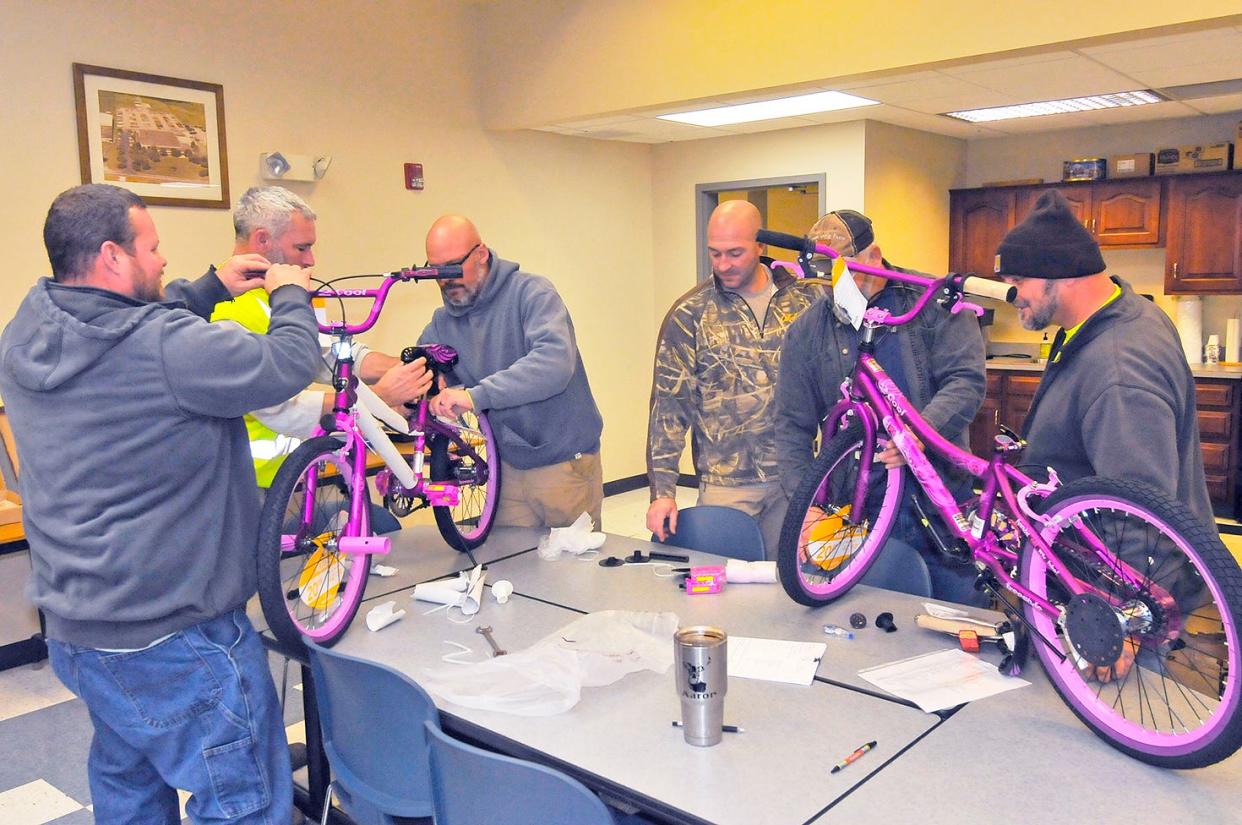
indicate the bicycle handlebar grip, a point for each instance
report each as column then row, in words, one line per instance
column 784, row 240
column 987, row 288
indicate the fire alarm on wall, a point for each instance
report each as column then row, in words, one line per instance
column 413, row 176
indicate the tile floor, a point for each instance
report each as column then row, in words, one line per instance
column 47, row 783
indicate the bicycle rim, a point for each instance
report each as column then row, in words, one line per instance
column 1161, row 682
column 825, row 548
column 477, row 477
column 318, row 586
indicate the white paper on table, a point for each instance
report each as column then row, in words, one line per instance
column 774, row 660
column 941, row 679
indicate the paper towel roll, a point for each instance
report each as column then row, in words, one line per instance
column 1232, row 341
column 1190, row 328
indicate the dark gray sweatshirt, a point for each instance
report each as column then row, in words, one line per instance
column 1119, row 401
column 520, row 361
column 139, row 495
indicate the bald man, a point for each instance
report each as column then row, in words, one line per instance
column 715, row 375
column 519, row 361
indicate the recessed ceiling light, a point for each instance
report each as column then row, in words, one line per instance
column 1057, row 107
column 769, row 109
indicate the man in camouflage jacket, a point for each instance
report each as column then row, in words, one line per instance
column 715, row 375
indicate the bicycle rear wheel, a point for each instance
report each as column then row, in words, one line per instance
column 307, row 585
column 825, row 548
column 476, row 472
column 1148, row 655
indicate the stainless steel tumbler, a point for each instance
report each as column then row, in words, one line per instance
column 702, row 675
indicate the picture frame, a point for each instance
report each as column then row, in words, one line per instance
column 159, row 137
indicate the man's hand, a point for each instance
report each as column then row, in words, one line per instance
column 662, row 510
column 1118, row 669
column 403, row 383
column 891, row 457
column 279, row 275
column 451, row 403
column 242, row 273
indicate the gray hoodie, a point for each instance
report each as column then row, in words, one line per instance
column 520, row 361
column 139, row 496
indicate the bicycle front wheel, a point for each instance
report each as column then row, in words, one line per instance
column 307, row 585
column 1147, row 654
column 475, row 469
column 826, row 547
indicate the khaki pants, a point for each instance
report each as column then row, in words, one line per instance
column 764, row 502
column 551, row 496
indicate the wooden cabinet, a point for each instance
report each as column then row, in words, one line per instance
column 978, row 219
column 1127, row 212
column 1218, row 404
column 1204, row 252
column 1008, row 400
column 1118, row 213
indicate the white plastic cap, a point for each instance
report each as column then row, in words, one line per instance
column 502, row 590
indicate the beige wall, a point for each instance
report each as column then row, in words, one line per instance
column 835, row 150
column 906, row 184
column 1041, row 155
column 373, row 84
column 557, row 60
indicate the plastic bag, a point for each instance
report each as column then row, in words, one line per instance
column 548, row 677
column 575, row 539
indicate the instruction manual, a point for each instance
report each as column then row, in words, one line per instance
column 939, row 680
column 774, row 660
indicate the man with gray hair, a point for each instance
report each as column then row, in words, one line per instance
column 272, row 222
column 936, row 360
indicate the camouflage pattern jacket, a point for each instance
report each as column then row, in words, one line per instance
column 715, row 374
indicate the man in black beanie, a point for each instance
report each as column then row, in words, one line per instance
column 1117, row 398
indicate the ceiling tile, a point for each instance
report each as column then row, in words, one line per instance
column 1046, row 123
column 1165, row 52
column 1006, row 63
column 914, row 90
column 1228, row 69
column 597, row 122
column 1220, row 105
column 1072, row 76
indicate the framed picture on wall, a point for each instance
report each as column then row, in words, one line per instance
column 160, row 137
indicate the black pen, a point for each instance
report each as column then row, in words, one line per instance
column 857, row 753
column 725, row 728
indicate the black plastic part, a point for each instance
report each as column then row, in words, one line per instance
column 884, row 621
column 858, row 621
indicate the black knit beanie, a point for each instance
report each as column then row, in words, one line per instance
column 1049, row 243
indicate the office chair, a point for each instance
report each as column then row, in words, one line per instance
column 900, row 567
column 720, row 530
column 373, row 733
column 471, row 786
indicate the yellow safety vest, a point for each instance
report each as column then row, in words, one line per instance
column 268, row 448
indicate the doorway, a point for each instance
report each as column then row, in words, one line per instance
column 788, row 204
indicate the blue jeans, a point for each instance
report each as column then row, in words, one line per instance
column 199, row 712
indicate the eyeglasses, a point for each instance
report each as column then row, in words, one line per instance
column 460, row 260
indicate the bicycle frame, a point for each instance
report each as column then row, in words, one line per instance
column 357, row 423
column 872, row 397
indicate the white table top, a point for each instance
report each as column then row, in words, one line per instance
column 1018, row 757
column 620, row 738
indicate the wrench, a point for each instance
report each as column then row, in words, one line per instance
column 486, row 631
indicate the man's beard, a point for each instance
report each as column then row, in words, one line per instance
column 1042, row 318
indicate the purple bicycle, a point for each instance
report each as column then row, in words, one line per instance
column 1132, row 606
column 315, row 535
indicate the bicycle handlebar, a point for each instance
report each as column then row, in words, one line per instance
column 422, row 273
column 968, row 284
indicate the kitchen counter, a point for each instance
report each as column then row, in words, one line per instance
column 1030, row 365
